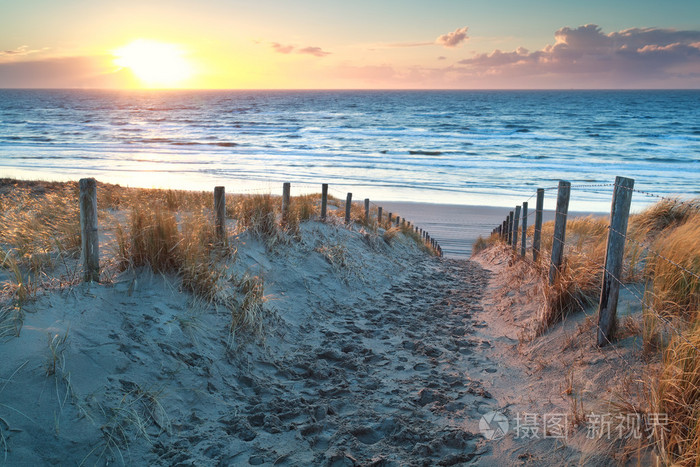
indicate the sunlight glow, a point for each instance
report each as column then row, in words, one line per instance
column 156, row 64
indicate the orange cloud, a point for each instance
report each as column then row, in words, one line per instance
column 287, row 49
column 454, row 38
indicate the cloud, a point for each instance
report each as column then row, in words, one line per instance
column 68, row 72
column 442, row 57
column 454, row 38
column 587, row 56
column 315, row 51
column 283, row 49
column 450, row 40
column 287, row 49
column 20, row 51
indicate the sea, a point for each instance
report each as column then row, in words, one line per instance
column 451, row 147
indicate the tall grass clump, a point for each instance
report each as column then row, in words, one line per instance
column 661, row 216
column 39, row 219
column 247, row 304
column 576, row 287
column 676, row 290
column 677, row 395
column 154, row 240
column 482, row 243
column 258, row 214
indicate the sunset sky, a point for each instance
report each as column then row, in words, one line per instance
column 314, row 44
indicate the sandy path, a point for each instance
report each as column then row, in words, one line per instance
column 392, row 382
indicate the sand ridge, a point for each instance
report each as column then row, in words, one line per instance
column 372, row 361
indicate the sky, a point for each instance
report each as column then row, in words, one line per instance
column 359, row 44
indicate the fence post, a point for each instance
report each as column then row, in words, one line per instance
column 324, row 201
column 510, row 228
column 615, row 251
column 379, row 215
column 348, row 204
column 286, row 188
column 539, row 207
column 516, row 221
column 88, row 230
column 559, row 229
column 220, row 211
column 504, row 230
column 523, row 242
column 389, row 218
column 366, row 210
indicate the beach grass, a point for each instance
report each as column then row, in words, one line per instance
column 662, row 258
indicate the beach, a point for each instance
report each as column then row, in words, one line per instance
column 326, row 344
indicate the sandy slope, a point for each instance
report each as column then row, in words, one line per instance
column 368, row 361
column 374, row 355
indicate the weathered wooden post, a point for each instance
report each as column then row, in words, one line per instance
column 348, row 205
column 559, row 229
column 89, row 241
column 539, row 207
column 389, row 218
column 516, row 221
column 379, row 215
column 510, row 228
column 523, row 243
column 614, row 255
column 286, row 188
column 504, row 231
column 220, row 211
column 324, row 201
column 366, row 211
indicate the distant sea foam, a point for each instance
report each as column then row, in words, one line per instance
column 456, row 147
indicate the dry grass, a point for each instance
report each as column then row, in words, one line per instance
column 258, row 214
column 676, row 290
column 39, row 221
column 482, row 243
column 678, row 396
column 670, row 307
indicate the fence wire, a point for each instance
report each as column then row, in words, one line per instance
column 516, row 240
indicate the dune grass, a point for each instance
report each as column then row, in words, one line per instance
column 662, row 253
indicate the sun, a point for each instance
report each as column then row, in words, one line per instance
column 156, row 64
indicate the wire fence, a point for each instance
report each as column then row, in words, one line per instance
column 525, row 240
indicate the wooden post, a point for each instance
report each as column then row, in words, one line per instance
column 348, row 205
column 510, row 228
column 615, row 251
column 88, row 230
column 366, row 211
column 559, row 229
column 220, row 211
column 539, row 207
column 516, row 221
column 379, row 215
column 389, row 218
column 286, row 188
column 324, row 201
column 504, row 231
column 523, row 242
